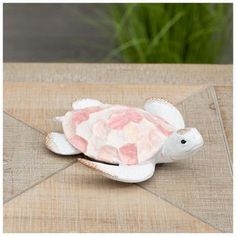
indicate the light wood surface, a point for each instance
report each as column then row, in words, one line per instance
column 37, row 108
column 120, row 73
column 210, row 168
column 26, row 160
column 38, row 103
column 220, row 76
column 225, row 100
column 194, row 195
column 80, row 200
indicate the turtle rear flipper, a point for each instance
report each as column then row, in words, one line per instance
column 57, row 143
column 123, row 173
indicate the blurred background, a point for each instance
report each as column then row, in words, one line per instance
column 130, row 33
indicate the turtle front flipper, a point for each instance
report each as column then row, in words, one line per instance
column 165, row 110
column 57, row 143
column 123, row 173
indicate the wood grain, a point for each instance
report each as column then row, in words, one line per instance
column 38, row 103
column 203, row 183
column 120, row 73
column 24, row 227
column 26, row 160
column 188, row 196
column 172, row 74
column 225, row 100
column 79, row 199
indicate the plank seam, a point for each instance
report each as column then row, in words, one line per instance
column 171, row 203
column 40, row 181
column 146, row 190
column 213, row 93
column 21, row 121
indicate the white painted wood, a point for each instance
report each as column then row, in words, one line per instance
column 87, row 102
column 166, row 111
column 123, row 173
column 56, row 142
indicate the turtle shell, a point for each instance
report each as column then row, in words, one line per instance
column 115, row 133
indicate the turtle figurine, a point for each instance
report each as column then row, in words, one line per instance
column 124, row 143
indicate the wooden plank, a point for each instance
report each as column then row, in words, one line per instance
column 79, row 199
column 26, row 160
column 178, row 74
column 203, row 183
column 50, row 100
column 119, row 73
column 38, row 103
column 17, row 223
column 225, row 100
column 161, row 74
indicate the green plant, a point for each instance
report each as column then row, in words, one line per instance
column 169, row 33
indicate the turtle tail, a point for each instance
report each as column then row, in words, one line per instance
column 59, row 119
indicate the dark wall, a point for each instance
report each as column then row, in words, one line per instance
column 54, row 32
column 62, row 33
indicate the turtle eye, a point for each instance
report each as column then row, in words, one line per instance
column 183, row 141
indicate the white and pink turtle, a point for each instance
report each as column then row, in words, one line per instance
column 124, row 143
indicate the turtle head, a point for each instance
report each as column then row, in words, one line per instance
column 180, row 144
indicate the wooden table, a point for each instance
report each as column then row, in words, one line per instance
column 47, row 193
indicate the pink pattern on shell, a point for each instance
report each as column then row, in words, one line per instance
column 131, row 132
column 161, row 124
column 119, row 134
column 128, row 154
column 82, row 115
column 109, row 154
column 149, row 143
column 119, row 120
column 79, row 117
column 101, row 129
column 164, row 131
column 79, row 143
